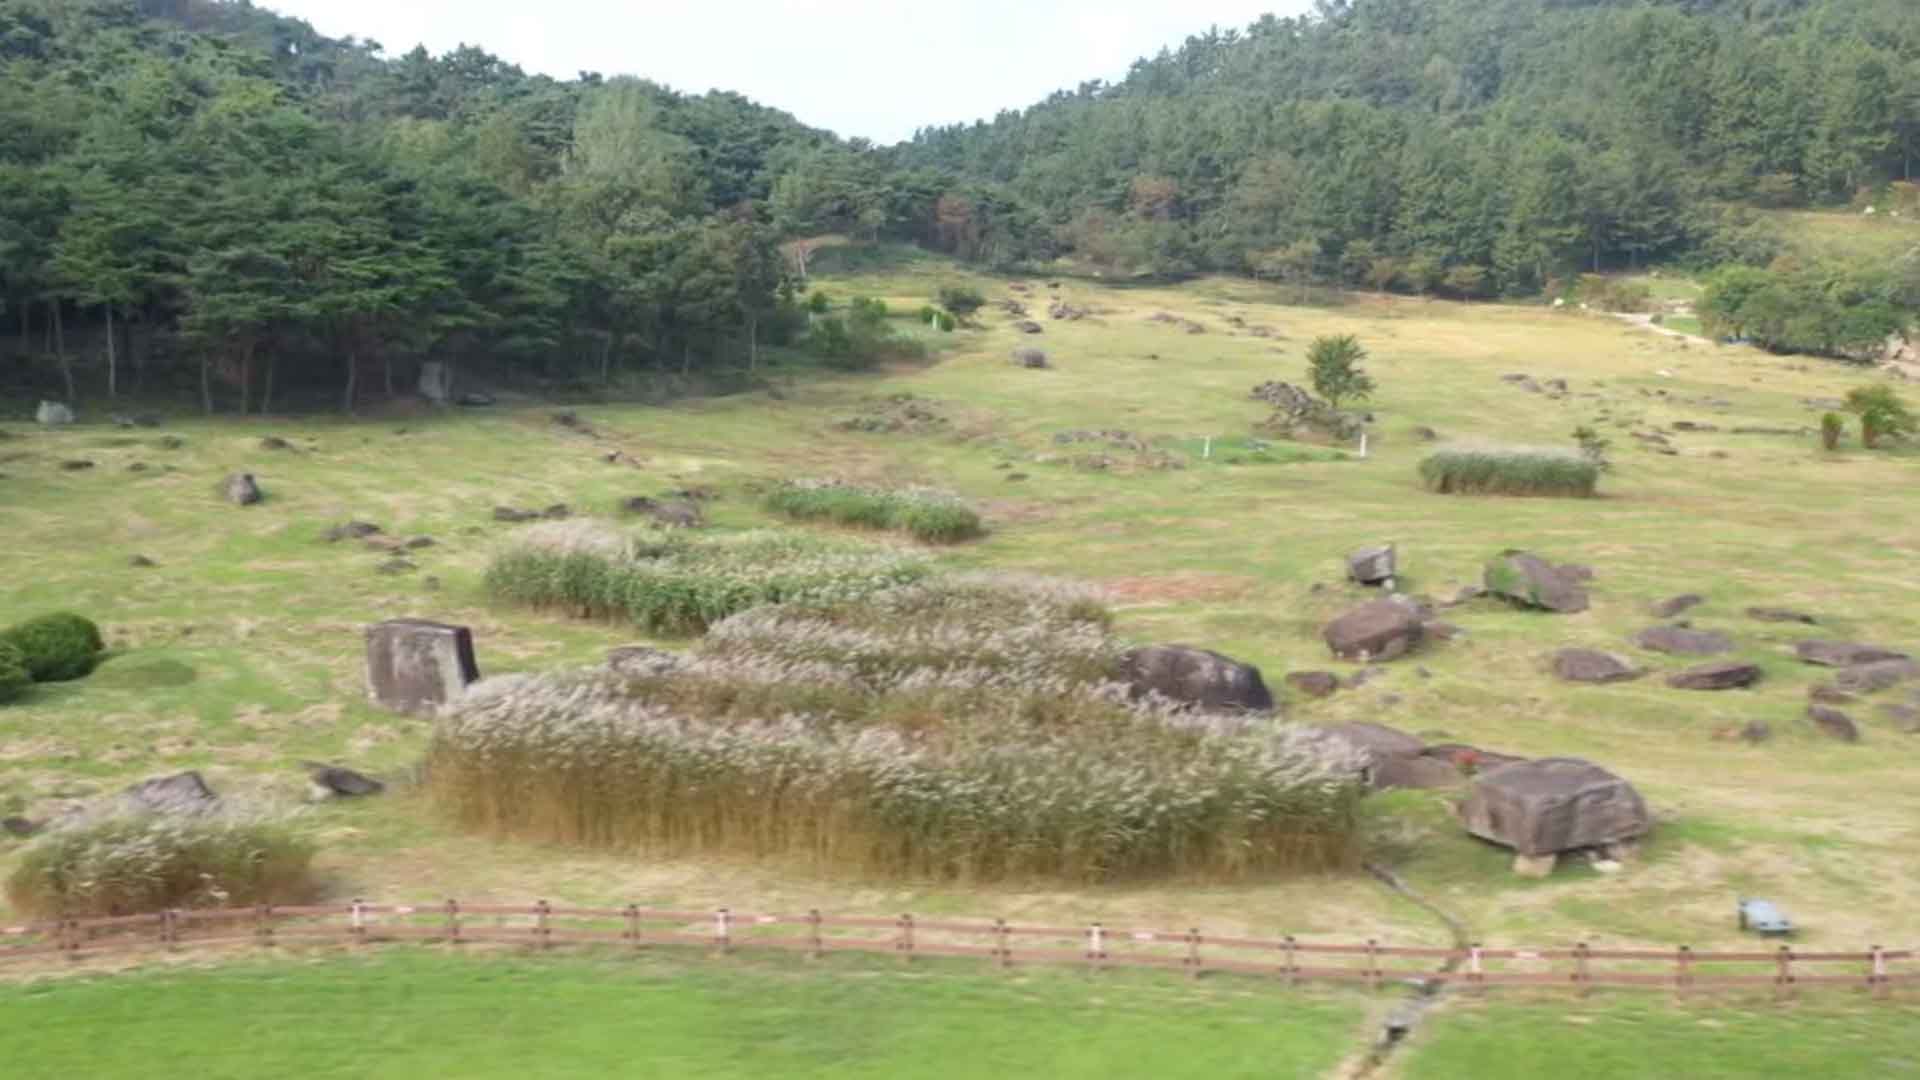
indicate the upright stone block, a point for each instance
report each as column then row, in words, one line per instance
column 414, row 665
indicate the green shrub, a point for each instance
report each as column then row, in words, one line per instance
column 670, row 583
column 57, row 647
column 15, row 677
column 961, row 300
column 1833, row 428
column 1882, row 414
column 1509, row 471
column 929, row 516
column 126, row 862
column 955, row 729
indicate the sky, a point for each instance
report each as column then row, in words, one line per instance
column 872, row 68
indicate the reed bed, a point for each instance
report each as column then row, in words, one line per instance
column 933, row 517
column 673, row 583
column 1509, row 470
column 912, row 734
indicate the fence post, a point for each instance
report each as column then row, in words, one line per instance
column 1783, row 982
column 170, row 928
column 541, row 930
column 1683, row 969
column 1373, row 964
column 815, row 946
column 1003, row 945
column 263, row 924
column 453, row 921
column 1292, row 965
column 723, row 931
column 1476, row 971
column 357, row 927
column 903, row 944
column 632, row 929
column 1096, row 947
column 1877, row 974
column 1193, row 951
column 67, row 935
column 1582, row 975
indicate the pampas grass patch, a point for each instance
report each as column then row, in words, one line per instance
column 957, row 729
column 929, row 516
column 1509, row 470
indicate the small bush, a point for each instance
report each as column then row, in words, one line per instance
column 57, row 647
column 15, row 677
column 1833, row 428
column 1882, row 414
column 929, row 516
column 1509, row 471
column 671, row 583
column 961, row 300
column 124, row 863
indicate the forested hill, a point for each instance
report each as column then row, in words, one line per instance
column 1507, row 140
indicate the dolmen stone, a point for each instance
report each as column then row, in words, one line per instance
column 1197, row 677
column 1384, row 629
column 241, row 489
column 1718, row 675
column 1549, row 806
column 1592, row 666
column 1680, row 641
column 1529, row 581
column 414, row 665
column 1373, row 565
column 1843, row 653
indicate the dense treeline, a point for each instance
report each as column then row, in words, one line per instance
column 199, row 194
column 1464, row 146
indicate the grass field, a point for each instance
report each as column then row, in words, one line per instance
column 239, row 653
column 414, row 1014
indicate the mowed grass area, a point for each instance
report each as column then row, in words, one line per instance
column 1650, row 1037
column 418, row 1013
column 239, row 654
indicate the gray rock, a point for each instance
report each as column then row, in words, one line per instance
column 185, row 792
column 1674, row 605
column 141, row 562
column 76, row 465
column 673, row 515
column 1028, row 326
column 415, row 666
column 1383, row 629
column 1905, row 718
column 395, row 566
column 1314, row 684
column 1834, row 723
column 1030, row 358
column 1829, row 694
column 510, row 514
column 351, row 530
column 1756, row 732
column 1682, row 642
column 1415, row 772
column 557, row 512
column 53, row 414
column 1843, row 653
column 1198, row 677
column 1530, row 581
column 420, row 543
column 1592, row 666
column 1781, row 615
column 1551, row 805
column 1718, row 675
column 19, row 827
column 331, row 781
column 1376, row 742
column 642, row 661
column 241, row 489
column 1878, row 675
column 1373, row 565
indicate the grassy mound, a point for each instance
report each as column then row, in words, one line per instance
column 961, row 730
column 673, row 583
column 58, row 647
column 1514, row 470
column 929, row 516
column 125, row 862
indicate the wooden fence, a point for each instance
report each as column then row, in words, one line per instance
column 544, row 926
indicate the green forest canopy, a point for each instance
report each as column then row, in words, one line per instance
column 222, row 197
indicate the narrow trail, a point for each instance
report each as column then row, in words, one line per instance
column 1645, row 322
column 1401, row 1020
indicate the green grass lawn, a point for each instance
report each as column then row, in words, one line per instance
column 428, row 1014
column 1649, row 1037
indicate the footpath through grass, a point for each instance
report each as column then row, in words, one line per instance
column 417, row 1013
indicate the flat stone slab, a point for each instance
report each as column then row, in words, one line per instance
column 1843, row 653
column 1719, row 675
column 1551, row 805
column 415, row 665
column 1592, row 666
column 1680, row 641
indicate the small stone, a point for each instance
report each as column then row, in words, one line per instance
column 1314, row 684
column 557, row 512
column 1679, row 641
column 351, row 530
column 241, row 489
column 508, row 513
column 1608, row 866
column 1843, row 653
column 396, row 566
column 333, row 781
column 1016, row 477
column 1373, row 565
column 1535, row 866
column 76, row 465
column 420, row 542
column 1829, row 694
column 1781, row 615
column 18, row 827
column 1719, row 675
column 141, row 562
column 1592, row 666
column 1834, row 723
column 1674, row 605
column 275, row 442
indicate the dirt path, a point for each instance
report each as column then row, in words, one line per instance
column 1645, row 322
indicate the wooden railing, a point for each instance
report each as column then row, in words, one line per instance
column 544, row 926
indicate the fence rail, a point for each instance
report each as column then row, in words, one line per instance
column 545, row 926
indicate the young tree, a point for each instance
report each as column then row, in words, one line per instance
column 1334, row 364
column 1882, row 414
column 961, row 300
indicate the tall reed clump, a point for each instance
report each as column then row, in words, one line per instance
column 124, row 861
column 673, row 583
column 932, row 517
column 959, row 729
column 1509, row 470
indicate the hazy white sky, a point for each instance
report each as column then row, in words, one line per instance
column 878, row 68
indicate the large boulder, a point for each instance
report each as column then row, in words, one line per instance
column 1373, row 565
column 1680, row 641
column 241, row 489
column 1198, row 677
column 415, row 666
column 1551, row 805
column 1592, row 666
column 1377, row 742
column 1718, row 675
column 1843, row 653
column 1530, row 581
column 1383, row 629
column 53, row 414
column 1876, row 675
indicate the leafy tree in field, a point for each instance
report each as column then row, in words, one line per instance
column 1882, row 414
column 961, row 300
column 1334, row 365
